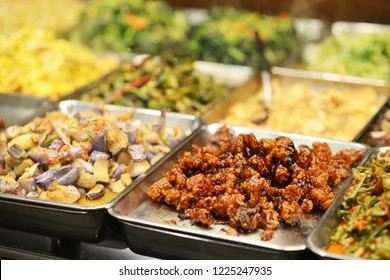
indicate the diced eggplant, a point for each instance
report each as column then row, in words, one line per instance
column 116, row 139
column 124, row 157
column 21, row 168
column 43, row 140
column 100, row 170
column 14, row 131
column 56, row 145
column 60, row 193
column 95, row 155
column 9, row 185
column 17, row 152
column 138, row 168
column 28, row 184
column 86, row 180
column 119, row 171
column 138, row 152
column 62, row 131
column 120, row 184
column 131, row 138
column 10, row 162
column 151, row 137
column 156, row 158
column 117, row 186
column 69, row 178
column 46, row 178
column 88, row 167
column 126, row 179
column 43, row 156
column 99, row 142
column 26, row 141
column 95, row 193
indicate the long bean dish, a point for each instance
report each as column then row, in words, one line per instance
column 82, row 158
column 364, row 229
column 252, row 184
column 157, row 83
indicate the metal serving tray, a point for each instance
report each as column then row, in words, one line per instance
column 19, row 109
column 319, row 238
column 313, row 81
column 71, row 221
column 148, row 230
column 17, row 245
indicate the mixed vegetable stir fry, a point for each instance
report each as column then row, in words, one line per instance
column 84, row 158
column 157, row 83
column 228, row 36
column 364, row 231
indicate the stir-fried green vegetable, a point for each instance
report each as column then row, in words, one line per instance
column 159, row 83
column 228, row 36
column 364, row 230
column 141, row 26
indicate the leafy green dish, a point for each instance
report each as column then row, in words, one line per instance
column 135, row 26
column 365, row 55
column 228, row 36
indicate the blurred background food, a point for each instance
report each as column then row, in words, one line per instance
column 228, row 36
column 137, row 26
column 304, row 106
column 158, row 83
column 36, row 62
column 352, row 53
column 57, row 16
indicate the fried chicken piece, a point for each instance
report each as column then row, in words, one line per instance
column 253, row 184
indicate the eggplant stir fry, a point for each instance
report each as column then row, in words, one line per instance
column 84, row 158
column 364, row 230
column 156, row 83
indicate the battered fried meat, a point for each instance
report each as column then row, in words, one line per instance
column 251, row 184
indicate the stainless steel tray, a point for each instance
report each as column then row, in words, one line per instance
column 314, row 82
column 19, row 109
column 143, row 221
column 17, row 245
column 71, row 221
column 319, row 238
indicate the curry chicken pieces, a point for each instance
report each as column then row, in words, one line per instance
column 253, row 184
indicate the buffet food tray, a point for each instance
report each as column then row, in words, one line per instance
column 148, row 227
column 319, row 238
column 71, row 221
column 349, row 54
column 18, row 109
column 232, row 76
column 244, row 103
column 20, row 245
